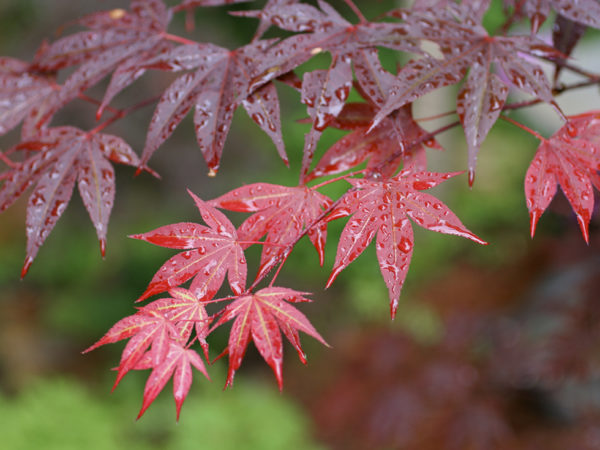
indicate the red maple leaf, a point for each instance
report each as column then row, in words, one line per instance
column 150, row 335
column 59, row 158
column 383, row 208
column 210, row 252
column 177, row 364
column 187, row 312
column 157, row 335
column 261, row 316
column 571, row 159
column 282, row 213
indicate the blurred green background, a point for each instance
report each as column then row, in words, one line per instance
column 52, row 397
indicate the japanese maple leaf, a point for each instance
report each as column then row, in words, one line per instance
column 187, row 312
column 282, row 213
column 155, row 342
column 20, row 92
column 467, row 47
column 210, row 252
column 117, row 31
column 177, row 364
column 150, row 335
column 220, row 83
column 571, row 159
column 395, row 135
column 383, row 208
column 586, row 12
column 59, row 158
column 323, row 91
column 262, row 316
column 115, row 40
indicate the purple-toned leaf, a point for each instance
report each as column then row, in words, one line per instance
column 263, row 107
column 324, row 92
column 20, row 92
column 130, row 70
column 565, row 35
column 375, row 82
column 221, row 82
column 479, row 103
column 62, row 156
column 586, row 12
column 96, row 182
column 419, row 77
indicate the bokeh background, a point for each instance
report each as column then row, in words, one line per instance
column 493, row 347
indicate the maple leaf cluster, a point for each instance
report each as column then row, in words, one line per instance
column 384, row 199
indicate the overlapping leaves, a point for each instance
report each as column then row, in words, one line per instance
column 282, row 213
column 467, row 47
column 158, row 335
column 216, row 82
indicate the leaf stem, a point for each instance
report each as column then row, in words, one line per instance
column 578, row 70
column 274, row 244
column 6, row 160
column 341, row 177
column 356, row 11
column 178, row 39
column 437, row 116
column 119, row 114
column 97, row 103
column 523, row 127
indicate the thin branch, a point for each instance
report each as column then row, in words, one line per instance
column 437, row 116
column 523, row 127
column 565, row 65
column 356, row 11
column 122, row 113
column 178, row 39
column 341, row 177
column 6, row 160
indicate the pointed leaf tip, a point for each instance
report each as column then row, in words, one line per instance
column 334, row 273
column 393, row 308
column 583, row 224
column 534, row 216
column 26, row 266
column 537, row 19
column 102, row 243
column 471, row 177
